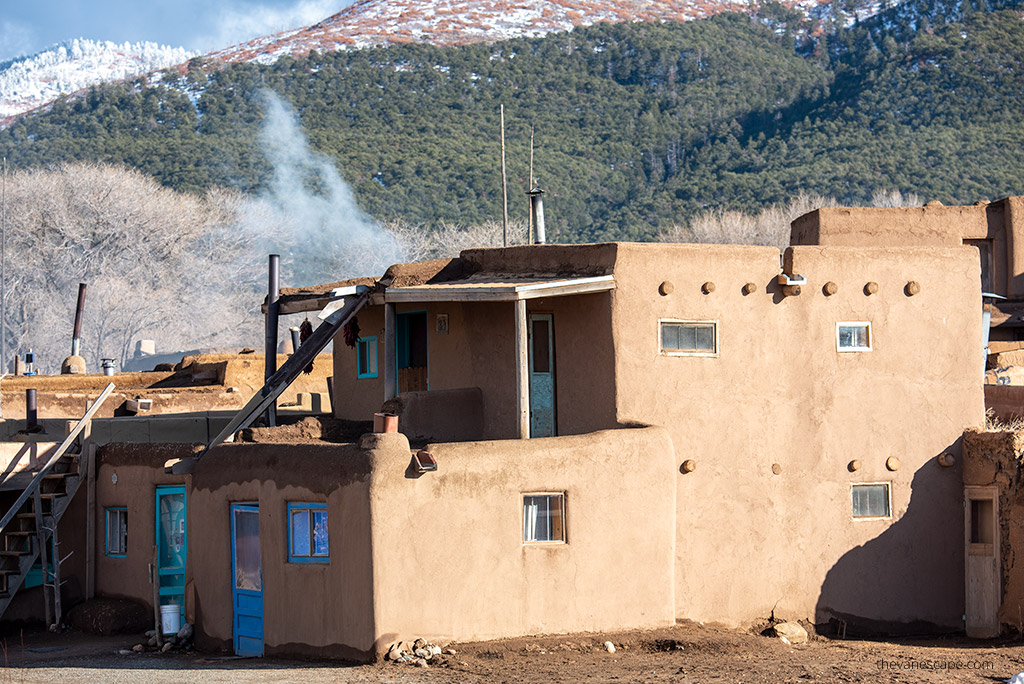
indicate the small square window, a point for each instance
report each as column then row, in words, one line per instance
column 366, row 357
column 853, row 337
column 544, row 518
column 117, row 532
column 871, row 500
column 307, row 533
column 688, row 338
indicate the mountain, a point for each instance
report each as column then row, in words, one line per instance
column 30, row 82
column 458, row 22
column 638, row 126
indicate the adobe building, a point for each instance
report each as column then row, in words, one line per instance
column 624, row 435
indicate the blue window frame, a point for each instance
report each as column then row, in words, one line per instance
column 116, row 545
column 366, row 357
column 307, row 533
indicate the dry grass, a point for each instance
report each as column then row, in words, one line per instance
column 995, row 424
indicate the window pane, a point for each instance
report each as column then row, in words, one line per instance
column 870, row 501
column 361, row 348
column 688, row 337
column 543, row 518
column 669, row 336
column 371, row 356
column 854, row 336
column 248, row 565
column 541, row 343
column 320, row 545
column 705, row 338
column 300, row 532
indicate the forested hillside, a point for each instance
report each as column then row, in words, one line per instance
column 637, row 126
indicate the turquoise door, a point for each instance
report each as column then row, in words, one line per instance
column 542, row 375
column 171, row 523
column 247, row 579
column 411, row 352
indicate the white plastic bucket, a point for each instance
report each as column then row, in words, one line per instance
column 170, row 619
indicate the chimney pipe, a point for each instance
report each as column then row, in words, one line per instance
column 76, row 337
column 295, row 338
column 537, row 211
column 270, row 348
column 31, row 414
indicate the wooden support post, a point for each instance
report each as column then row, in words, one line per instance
column 90, row 522
column 154, row 576
column 522, row 372
column 390, row 352
column 37, row 503
column 55, row 578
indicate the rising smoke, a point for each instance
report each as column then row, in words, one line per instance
column 308, row 213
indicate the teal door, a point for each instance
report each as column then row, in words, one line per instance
column 247, row 576
column 542, row 375
column 171, row 523
column 411, row 352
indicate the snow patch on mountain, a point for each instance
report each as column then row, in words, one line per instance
column 30, row 82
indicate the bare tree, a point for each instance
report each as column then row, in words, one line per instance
column 159, row 264
column 418, row 243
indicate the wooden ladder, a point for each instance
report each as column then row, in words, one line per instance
column 29, row 529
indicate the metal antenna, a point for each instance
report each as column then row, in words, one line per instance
column 504, row 185
column 529, row 207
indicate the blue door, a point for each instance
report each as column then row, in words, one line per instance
column 542, row 375
column 171, row 522
column 247, row 579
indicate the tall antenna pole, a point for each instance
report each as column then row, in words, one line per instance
column 529, row 208
column 504, row 185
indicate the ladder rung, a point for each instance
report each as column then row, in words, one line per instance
column 10, row 552
column 21, row 533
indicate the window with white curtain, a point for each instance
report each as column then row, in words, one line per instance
column 543, row 518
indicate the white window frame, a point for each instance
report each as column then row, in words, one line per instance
column 564, row 516
column 850, row 324
column 888, row 492
column 682, row 352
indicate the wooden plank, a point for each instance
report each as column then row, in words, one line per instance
column 390, row 352
column 55, row 456
column 154, row 577
column 506, row 292
column 522, row 362
column 55, row 578
column 41, row 540
column 90, row 523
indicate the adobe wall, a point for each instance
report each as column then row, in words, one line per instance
column 932, row 225
column 479, row 351
column 139, row 471
column 310, row 609
column 994, row 458
column 206, row 382
column 448, row 554
column 778, row 395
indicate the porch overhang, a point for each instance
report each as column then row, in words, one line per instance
column 499, row 289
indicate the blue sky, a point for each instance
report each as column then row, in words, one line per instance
column 27, row 26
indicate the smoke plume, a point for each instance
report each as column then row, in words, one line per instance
column 309, row 214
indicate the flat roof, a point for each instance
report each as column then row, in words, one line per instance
column 500, row 288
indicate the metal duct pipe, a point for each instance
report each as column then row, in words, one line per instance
column 295, row 338
column 108, row 366
column 537, row 210
column 270, row 348
column 76, row 337
column 31, row 413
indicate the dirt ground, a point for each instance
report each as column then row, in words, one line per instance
column 688, row 652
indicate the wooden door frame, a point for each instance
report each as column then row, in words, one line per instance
column 982, row 493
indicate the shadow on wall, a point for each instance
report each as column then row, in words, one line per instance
column 909, row 580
